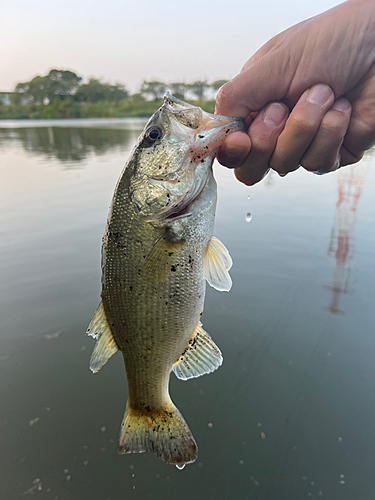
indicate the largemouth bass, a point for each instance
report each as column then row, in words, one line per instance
column 158, row 250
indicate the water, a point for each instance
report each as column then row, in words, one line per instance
column 289, row 415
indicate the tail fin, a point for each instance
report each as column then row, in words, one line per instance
column 163, row 432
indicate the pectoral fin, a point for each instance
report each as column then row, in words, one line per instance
column 200, row 356
column 217, row 263
column 105, row 345
column 159, row 260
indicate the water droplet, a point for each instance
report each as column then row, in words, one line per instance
column 342, row 482
column 157, row 476
column 263, row 435
column 340, row 439
column 133, row 475
column 66, row 471
column 304, row 478
column 68, row 477
column 312, row 483
column 248, row 217
column 180, row 466
column 342, row 476
column 210, row 425
column 259, row 424
column 85, row 462
column 134, row 487
column 249, row 197
column 103, row 429
column 241, row 462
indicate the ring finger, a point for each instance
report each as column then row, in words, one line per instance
column 322, row 156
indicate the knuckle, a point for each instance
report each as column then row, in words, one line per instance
column 348, row 157
column 313, row 163
column 223, row 95
column 262, row 145
column 304, row 124
column 334, row 124
column 278, row 166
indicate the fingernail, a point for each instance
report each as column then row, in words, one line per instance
column 341, row 104
column 319, row 94
column 274, row 115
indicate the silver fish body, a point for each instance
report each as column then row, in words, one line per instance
column 158, row 249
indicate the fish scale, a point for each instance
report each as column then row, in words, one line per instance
column 158, row 250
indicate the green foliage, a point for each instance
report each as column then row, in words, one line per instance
column 199, row 88
column 179, row 89
column 152, row 89
column 61, row 94
column 95, row 91
column 43, row 89
column 217, row 84
column 60, row 109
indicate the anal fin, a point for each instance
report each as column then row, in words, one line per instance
column 105, row 345
column 217, row 263
column 200, row 356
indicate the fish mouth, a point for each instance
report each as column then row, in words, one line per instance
column 207, row 132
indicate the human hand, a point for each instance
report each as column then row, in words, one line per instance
column 308, row 97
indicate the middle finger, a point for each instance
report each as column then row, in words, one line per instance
column 300, row 128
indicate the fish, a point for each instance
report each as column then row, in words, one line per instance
column 158, row 252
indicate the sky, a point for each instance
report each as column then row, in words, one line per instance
column 129, row 41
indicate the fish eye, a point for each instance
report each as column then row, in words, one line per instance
column 153, row 134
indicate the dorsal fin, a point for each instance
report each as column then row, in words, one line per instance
column 200, row 356
column 105, row 345
column 217, row 263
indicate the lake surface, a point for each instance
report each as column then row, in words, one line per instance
column 290, row 414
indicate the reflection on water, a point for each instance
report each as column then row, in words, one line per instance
column 350, row 182
column 289, row 415
column 70, row 145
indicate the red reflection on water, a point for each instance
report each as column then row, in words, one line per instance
column 350, row 182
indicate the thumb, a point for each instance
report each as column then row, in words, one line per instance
column 268, row 79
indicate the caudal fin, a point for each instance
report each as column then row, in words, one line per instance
column 163, row 432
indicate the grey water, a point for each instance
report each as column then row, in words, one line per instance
column 290, row 414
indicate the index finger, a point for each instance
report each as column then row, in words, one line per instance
column 253, row 88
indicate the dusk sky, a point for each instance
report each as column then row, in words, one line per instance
column 123, row 41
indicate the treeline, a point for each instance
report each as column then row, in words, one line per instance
column 61, row 94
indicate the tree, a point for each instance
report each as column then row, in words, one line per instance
column 217, row 84
column 43, row 89
column 199, row 88
column 95, row 91
column 153, row 89
column 62, row 83
column 179, row 89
